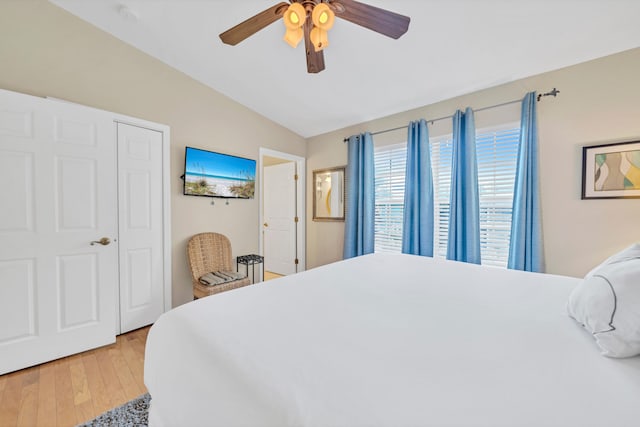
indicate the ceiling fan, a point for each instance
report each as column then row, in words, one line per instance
column 311, row 19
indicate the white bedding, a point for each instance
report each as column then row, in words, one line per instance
column 387, row 340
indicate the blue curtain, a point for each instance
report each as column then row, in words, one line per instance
column 359, row 220
column 525, row 247
column 417, row 230
column 464, row 213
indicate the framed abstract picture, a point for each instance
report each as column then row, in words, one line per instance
column 329, row 188
column 611, row 171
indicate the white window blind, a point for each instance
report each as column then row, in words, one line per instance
column 497, row 156
column 497, row 151
column 390, row 165
column 441, row 152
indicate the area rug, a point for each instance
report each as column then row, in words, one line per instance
column 132, row 414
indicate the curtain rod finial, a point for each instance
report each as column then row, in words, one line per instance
column 553, row 93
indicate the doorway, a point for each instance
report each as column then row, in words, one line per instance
column 282, row 212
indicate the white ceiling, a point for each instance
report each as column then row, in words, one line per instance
column 452, row 47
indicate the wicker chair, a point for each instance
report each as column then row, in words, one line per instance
column 208, row 252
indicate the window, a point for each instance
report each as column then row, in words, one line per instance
column 441, row 152
column 497, row 151
column 390, row 164
column 497, row 158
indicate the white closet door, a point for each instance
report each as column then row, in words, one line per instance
column 57, row 194
column 141, row 228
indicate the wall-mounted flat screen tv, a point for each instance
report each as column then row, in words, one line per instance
column 218, row 175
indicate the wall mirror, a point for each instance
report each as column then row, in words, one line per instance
column 329, row 189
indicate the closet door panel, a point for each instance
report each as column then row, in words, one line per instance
column 16, row 185
column 77, row 286
column 58, row 177
column 141, row 226
column 17, row 301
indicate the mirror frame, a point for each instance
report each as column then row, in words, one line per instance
column 317, row 172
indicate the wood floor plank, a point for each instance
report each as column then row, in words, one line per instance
column 135, row 362
column 10, row 403
column 30, row 375
column 65, row 408
column 97, row 388
column 143, row 333
column 110, row 377
column 82, row 401
column 128, row 382
column 28, row 412
column 79, row 382
column 138, row 347
column 139, row 344
column 85, row 411
column 3, row 382
column 47, row 396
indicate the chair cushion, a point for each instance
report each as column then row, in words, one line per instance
column 211, row 279
column 217, row 277
column 232, row 275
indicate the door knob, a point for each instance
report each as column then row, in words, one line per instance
column 265, row 224
column 104, row 241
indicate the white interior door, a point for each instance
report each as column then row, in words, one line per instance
column 140, row 226
column 58, row 194
column 279, row 218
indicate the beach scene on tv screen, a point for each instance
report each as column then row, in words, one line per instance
column 218, row 175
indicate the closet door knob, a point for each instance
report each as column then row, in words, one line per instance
column 104, row 241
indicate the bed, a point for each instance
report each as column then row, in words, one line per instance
column 387, row 340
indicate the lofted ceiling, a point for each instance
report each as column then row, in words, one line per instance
column 452, row 47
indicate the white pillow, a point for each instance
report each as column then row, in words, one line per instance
column 607, row 304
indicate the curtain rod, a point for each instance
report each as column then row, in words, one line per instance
column 553, row 93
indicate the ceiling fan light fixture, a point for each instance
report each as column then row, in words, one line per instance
column 312, row 19
column 295, row 16
column 319, row 38
column 293, row 36
column 323, row 17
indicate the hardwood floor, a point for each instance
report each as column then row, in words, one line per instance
column 270, row 276
column 77, row 388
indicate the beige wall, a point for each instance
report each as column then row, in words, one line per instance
column 45, row 51
column 599, row 103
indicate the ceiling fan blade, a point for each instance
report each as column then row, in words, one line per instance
column 379, row 20
column 315, row 60
column 235, row 35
